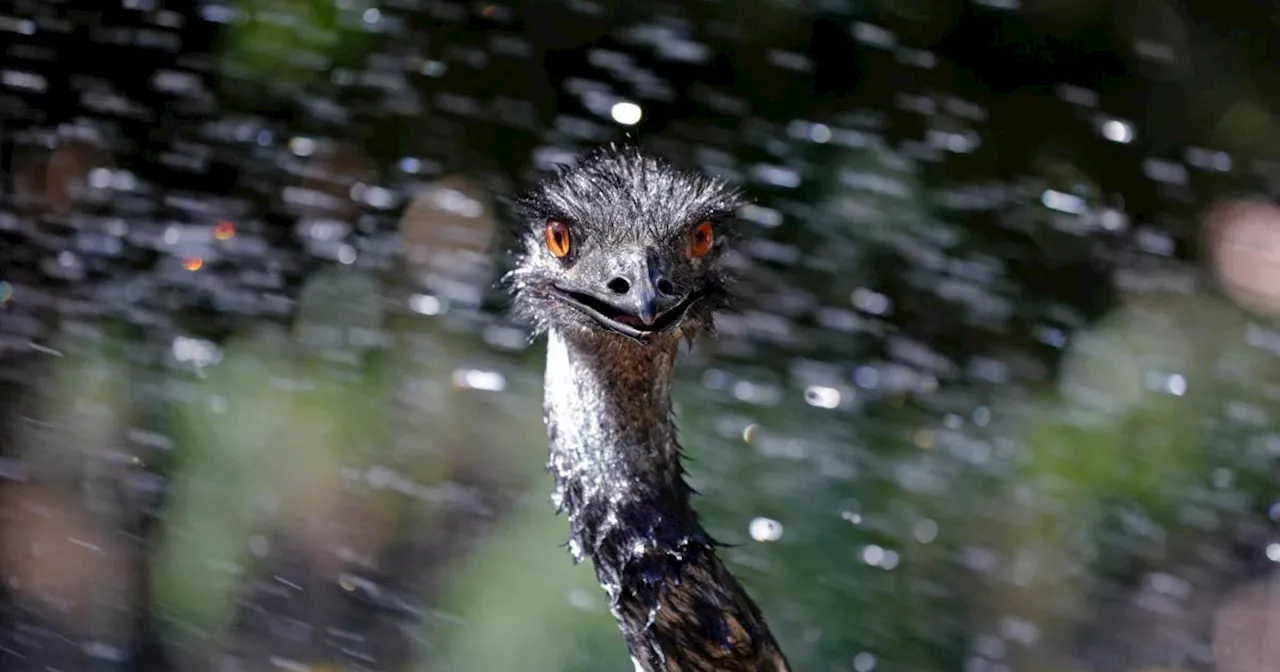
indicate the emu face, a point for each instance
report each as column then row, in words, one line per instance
column 623, row 243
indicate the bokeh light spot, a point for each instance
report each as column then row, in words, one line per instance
column 627, row 114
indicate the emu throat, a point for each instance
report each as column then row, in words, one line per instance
column 613, row 443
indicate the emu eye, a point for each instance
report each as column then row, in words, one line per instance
column 557, row 235
column 700, row 239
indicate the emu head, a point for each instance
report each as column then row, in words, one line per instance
column 623, row 244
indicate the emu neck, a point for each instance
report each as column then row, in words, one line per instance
column 608, row 407
column 618, row 476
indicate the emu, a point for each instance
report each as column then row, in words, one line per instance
column 620, row 259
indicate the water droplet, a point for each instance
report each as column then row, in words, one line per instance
column 346, row 255
column 1116, row 130
column 627, row 114
column 925, row 531
column 765, row 529
column 822, row 397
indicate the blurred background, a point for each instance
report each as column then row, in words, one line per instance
column 1001, row 392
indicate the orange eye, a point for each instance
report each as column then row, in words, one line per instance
column 558, row 239
column 701, row 239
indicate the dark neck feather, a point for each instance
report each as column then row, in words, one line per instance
column 618, row 475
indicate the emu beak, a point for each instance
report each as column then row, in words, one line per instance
column 641, row 320
column 630, row 295
column 643, row 300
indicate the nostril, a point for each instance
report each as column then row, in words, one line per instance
column 665, row 286
column 619, row 285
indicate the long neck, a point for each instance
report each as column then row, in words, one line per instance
column 618, row 475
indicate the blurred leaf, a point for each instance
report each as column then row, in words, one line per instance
column 524, row 605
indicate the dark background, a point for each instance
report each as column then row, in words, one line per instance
column 999, row 394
